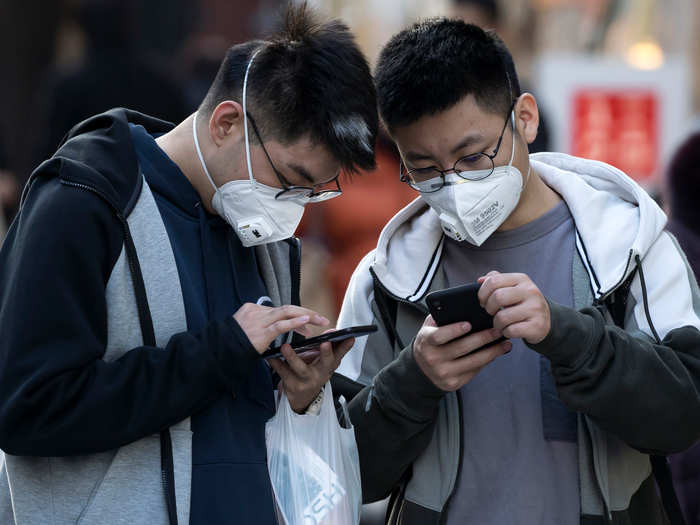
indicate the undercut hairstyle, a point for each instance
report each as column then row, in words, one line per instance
column 436, row 63
column 308, row 79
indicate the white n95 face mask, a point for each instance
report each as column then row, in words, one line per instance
column 471, row 210
column 249, row 207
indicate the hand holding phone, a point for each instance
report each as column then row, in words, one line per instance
column 301, row 379
column 263, row 324
column 447, row 354
column 458, row 304
column 519, row 308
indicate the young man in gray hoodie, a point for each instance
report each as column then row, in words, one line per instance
column 600, row 371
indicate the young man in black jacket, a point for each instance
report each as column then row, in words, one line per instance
column 149, row 268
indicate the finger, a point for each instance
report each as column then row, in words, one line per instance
column 305, row 330
column 447, row 333
column 503, row 298
column 465, row 345
column 343, row 348
column 493, row 282
column 509, row 316
column 281, row 368
column 296, row 363
column 429, row 321
column 284, row 326
column 310, row 357
column 526, row 330
column 327, row 361
column 483, row 277
column 291, row 311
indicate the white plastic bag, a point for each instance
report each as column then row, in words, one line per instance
column 314, row 466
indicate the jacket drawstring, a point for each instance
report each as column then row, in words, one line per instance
column 646, row 300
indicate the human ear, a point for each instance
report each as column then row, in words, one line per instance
column 226, row 122
column 527, row 117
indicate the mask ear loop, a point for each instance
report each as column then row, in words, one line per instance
column 512, row 148
column 245, row 121
column 245, row 124
column 199, row 151
column 512, row 151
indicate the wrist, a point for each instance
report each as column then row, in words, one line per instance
column 314, row 407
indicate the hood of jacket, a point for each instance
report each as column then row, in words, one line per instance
column 99, row 153
column 614, row 217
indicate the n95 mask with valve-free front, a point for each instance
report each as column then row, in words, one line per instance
column 471, row 210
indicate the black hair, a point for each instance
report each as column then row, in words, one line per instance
column 310, row 78
column 489, row 7
column 434, row 64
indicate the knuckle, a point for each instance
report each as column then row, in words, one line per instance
column 452, row 384
column 501, row 319
column 443, row 374
column 498, row 322
column 499, row 296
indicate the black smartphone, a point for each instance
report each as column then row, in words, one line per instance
column 458, row 304
column 314, row 342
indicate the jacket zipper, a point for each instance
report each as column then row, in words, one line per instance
column 619, row 283
column 399, row 518
column 403, row 300
column 419, row 306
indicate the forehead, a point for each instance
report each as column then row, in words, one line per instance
column 447, row 127
column 313, row 157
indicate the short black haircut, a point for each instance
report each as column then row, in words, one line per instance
column 434, row 64
column 309, row 78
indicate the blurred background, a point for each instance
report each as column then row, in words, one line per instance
column 616, row 80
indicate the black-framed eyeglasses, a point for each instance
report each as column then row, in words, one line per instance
column 474, row 167
column 291, row 191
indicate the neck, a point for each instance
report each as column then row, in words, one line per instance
column 536, row 200
column 178, row 144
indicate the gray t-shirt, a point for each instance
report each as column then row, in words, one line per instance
column 520, row 460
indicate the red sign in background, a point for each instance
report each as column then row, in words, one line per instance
column 619, row 127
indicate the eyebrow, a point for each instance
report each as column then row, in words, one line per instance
column 302, row 172
column 467, row 141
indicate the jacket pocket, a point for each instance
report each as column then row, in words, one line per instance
column 132, row 492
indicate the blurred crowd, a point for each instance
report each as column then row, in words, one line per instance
column 160, row 58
